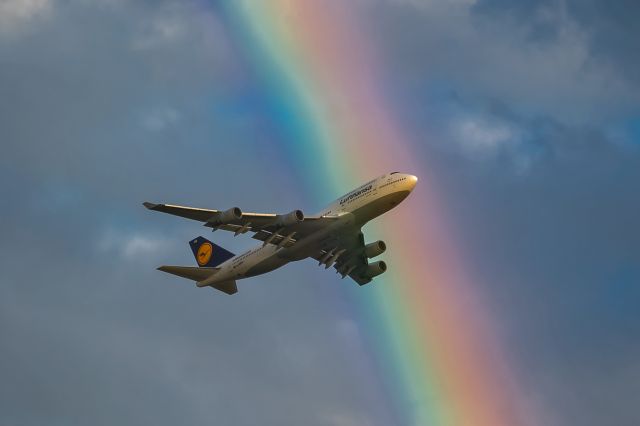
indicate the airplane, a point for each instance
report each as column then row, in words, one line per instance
column 333, row 237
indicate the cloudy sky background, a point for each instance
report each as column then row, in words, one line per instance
column 531, row 110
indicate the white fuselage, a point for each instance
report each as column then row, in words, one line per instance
column 354, row 209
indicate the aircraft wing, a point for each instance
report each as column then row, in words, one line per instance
column 205, row 215
column 345, row 250
column 351, row 260
column 267, row 227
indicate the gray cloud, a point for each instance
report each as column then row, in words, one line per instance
column 558, row 249
column 520, row 110
column 610, row 28
column 18, row 17
column 105, row 106
column 525, row 113
column 539, row 57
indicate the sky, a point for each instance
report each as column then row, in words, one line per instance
column 525, row 114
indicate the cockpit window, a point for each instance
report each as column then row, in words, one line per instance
column 393, row 173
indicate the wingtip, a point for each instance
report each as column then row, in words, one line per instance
column 149, row 205
column 162, row 268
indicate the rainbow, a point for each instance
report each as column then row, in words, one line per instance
column 433, row 343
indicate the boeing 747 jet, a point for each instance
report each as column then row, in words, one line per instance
column 333, row 237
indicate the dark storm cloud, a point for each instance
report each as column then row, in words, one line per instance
column 547, row 215
column 540, row 58
column 559, row 248
column 103, row 106
column 525, row 113
column 522, row 110
column 611, row 27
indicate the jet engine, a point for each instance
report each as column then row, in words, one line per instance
column 289, row 218
column 375, row 269
column 234, row 213
column 375, row 249
column 228, row 216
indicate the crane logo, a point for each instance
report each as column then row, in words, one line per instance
column 204, row 253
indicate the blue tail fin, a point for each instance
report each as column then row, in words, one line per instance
column 207, row 253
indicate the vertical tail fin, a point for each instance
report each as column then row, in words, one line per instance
column 208, row 254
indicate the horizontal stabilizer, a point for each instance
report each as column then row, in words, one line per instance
column 190, row 272
column 200, row 274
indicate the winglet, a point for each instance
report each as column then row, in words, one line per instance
column 150, row 206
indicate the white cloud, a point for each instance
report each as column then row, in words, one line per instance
column 481, row 138
column 160, row 118
column 158, row 32
column 171, row 23
column 16, row 15
column 132, row 246
column 139, row 244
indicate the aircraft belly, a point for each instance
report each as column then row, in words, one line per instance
column 267, row 265
column 221, row 276
column 375, row 208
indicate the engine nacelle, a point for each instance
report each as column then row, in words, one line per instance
column 234, row 214
column 231, row 215
column 375, row 269
column 375, row 249
column 289, row 218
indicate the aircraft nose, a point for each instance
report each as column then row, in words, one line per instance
column 412, row 181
